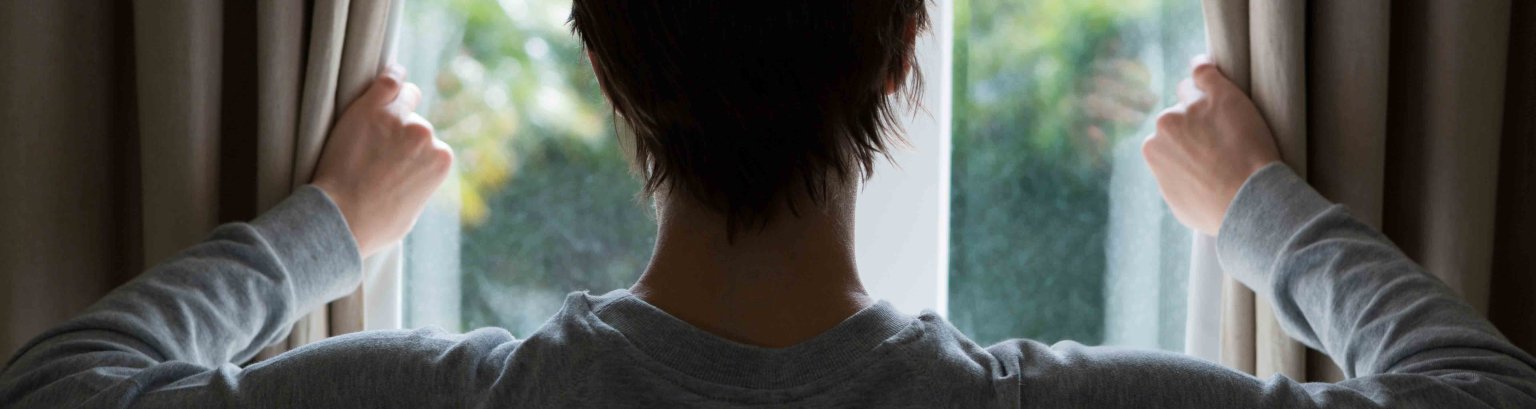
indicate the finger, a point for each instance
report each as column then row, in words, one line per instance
column 385, row 87
column 1151, row 147
column 1210, row 79
column 1187, row 91
column 1199, row 59
column 418, row 127
column 408, row 100
column 1170, row 121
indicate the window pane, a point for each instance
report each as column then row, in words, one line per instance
column 1057, row 232
column 541, row 203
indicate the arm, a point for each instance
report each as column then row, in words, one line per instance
column 188, row 320
column 1336, row 283
column 1402, row 337
column 214, row 304
column 1341, row 287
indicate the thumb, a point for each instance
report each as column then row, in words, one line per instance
column 385, row 87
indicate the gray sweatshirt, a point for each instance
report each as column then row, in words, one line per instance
column 172, row 337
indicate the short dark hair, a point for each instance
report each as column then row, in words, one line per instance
column 739, row 103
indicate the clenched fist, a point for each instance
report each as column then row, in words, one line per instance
column 382, row 162
column 1205, row 148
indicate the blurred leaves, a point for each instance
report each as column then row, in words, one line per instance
column 1044, row 90
column 546, row 199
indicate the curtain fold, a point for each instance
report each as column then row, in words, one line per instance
column 346, row 44
column 69, row 109
column 362, row 47
column 223, row 111
column 179, row 51
column 1348, row 129
column 1395, row 110
column 1447, row 110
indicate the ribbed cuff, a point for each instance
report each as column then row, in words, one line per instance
column 1268, row 210
column 311, row 237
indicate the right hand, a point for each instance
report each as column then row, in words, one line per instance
column 382, row 161
column 1206, row 147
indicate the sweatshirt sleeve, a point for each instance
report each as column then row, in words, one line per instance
column 1402, row 337
column 1339, row 286
column 214, row 304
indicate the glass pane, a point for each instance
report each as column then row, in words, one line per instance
column 1057, row 231
column 541, row 203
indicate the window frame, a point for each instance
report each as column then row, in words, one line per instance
column 902, row 213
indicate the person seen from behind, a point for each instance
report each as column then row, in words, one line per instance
column 753, row 125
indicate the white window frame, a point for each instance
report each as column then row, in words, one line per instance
column 902, row 228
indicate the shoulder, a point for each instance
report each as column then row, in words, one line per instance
column 420, row 350
column 395, row 368
column 1069, row 374
column 1085, row 376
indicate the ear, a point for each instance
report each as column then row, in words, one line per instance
column 596, row 72
column 894, row 83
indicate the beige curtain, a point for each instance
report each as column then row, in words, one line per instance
column 1399, row 110
column 141, row 125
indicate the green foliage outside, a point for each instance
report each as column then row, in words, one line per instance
column 548, row 204
column 1044, row 92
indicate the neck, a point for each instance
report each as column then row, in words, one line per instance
column 776, row 287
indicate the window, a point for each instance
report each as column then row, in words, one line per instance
column 1023, row 209
column 1056, row 227
column 541, row 202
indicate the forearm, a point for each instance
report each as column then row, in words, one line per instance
column 1340, row 286
column 215, row 303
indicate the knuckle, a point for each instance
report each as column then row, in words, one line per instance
column 1151, row 148
column 387, row 82
column 419, row 132
column 1204, row 69
column 419, row 142
column 442, row 156
column 1169, row 120
column 1199, row 106
column 386, row 116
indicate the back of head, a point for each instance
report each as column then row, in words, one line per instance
column 742, row 105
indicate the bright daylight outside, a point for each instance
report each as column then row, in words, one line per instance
column 1054, row 219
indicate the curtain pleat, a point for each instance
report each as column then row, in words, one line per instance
column 1347, row 116
column 179, row 54
column 280, row 35
column 1510, row 301
column 68, row 161
column 1277, row 64
column 316, row 113
column 1446, row 121
column 280, row 38
column 362, row 50
column 1227, row 33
